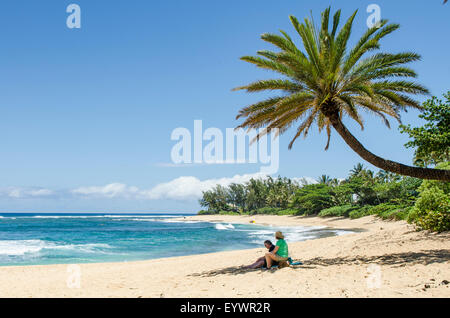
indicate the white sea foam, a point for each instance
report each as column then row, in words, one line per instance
column 220, row 226
column 140, row 216
column 7, row 218
column 343, row 232
column 22, row 247
column 178, row 221
column 59, row 217
column 161, row 220
column 292, row 234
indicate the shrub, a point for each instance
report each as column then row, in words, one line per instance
column 342, row 210
column 432, row 208
column 390, row 211
column 360, row 212
column 401, row 213
column 204, row 212
column 312, row 198
column 228, row 213
column 287, row 212
column 267, row 210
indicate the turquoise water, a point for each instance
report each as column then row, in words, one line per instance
column 33, row 239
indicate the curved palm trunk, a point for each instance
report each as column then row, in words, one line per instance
column 388, row 165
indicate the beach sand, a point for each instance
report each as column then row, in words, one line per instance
column 387, row 259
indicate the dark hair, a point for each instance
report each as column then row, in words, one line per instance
column 268, row 242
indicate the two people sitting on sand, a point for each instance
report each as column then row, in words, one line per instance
column 277, row 254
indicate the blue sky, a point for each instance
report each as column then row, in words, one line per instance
column 91, row 110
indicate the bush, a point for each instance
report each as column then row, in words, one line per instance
column 390, row 211
column 312, row 198
column 228, row 213
column 432, row 208
column 204, row 212
column 360, row 212
column 287, row 212
column 267, row 210
column 343, row 210
column 400, row 213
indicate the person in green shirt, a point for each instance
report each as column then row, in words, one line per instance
column 280, row 253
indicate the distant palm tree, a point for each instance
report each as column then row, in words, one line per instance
column 329, row 82
column 356, row 171
column 386, row 176
column 335, row 182
column 324, row 179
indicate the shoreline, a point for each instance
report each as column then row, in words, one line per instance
column 408, row 264
column 278, row 220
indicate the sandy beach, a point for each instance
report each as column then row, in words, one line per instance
column 385, row 259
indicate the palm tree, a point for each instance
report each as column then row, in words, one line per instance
column 236, row 196
column 386, row 176
column 326, row 84
column 324, row 179
column 356, row 171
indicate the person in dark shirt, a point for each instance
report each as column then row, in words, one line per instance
column 261, row 262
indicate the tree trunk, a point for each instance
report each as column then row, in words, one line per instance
column 392, row 166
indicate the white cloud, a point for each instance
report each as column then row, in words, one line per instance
column 112, row 190
column 40, row 192
column 20, row 193
column 305, row 180
column 182, row 188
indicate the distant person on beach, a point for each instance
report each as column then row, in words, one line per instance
column 280, row 253
column 261, row 262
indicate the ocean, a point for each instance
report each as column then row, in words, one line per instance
column 38, row 239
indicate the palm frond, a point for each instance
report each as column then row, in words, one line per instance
column 275, row 84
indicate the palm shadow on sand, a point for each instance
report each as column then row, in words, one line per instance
column 396, row 260
column 237, row 270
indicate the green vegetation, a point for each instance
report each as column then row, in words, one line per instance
column 325, row 80
column 313, row 198
column 432, row 141
column 432, row 208
column 363, row 193
column 269, row 196
column 386, row 195
column 341, row 210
